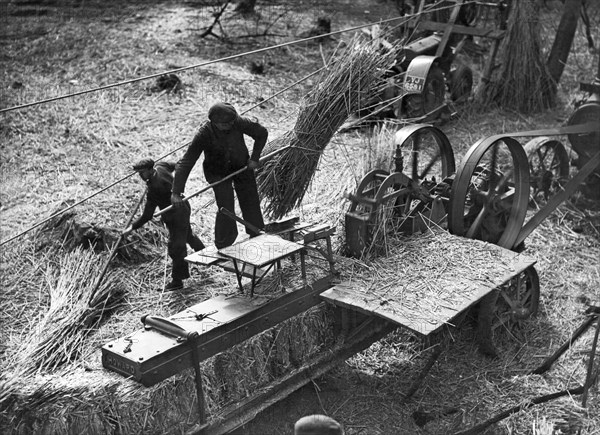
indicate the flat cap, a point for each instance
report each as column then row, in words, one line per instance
column 143, row 164
column 317, row 424
column 222, row 112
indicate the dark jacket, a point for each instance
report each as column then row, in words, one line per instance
column 224, row 152
column 159, row 192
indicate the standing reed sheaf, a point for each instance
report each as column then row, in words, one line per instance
column 349, row 82
column 523, row 82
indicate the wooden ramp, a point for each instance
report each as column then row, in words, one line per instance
column 427, row 280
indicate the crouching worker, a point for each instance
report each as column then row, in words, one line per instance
column 159, row 179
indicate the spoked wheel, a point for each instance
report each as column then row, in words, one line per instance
column 490, row 192
column 518, row 300
column 427, row 153
column 431, row 98
column 548, row 166
column 427, row 160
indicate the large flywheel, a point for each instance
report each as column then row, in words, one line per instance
column 488, row 201
column 490, row 192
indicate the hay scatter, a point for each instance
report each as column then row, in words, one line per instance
column 346, row 86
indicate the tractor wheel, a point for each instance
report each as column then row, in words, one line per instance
column 431, row 98
column 461, row 83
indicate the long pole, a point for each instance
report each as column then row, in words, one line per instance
column 229, row 177
column 113, row 250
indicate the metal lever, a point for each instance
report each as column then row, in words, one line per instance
column 247, row 224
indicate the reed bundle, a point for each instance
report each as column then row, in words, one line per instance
column 346, row 85
column 77, row 304
column 523, row 82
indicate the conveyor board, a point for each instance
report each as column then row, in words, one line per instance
column 149, row 356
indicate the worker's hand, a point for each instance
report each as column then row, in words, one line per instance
column 252, row 164
column 127, row 231
column 176, row 200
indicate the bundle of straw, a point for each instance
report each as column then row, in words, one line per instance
column 523, row 82
column 348, row 84
column 77, row 304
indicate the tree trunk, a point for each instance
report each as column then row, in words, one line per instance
column 564, row 38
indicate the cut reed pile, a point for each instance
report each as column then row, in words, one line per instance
column 347, row 84
column 522, row 82
column 97, row 401
column 83, row 397
column 77, row 305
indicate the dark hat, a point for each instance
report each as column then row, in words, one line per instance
column 222, row 112
column 143, row 164
column 317, row 424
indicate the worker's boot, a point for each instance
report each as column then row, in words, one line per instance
column 175, row 284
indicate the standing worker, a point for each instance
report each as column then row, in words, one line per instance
column 221, row 138
column 159, row 179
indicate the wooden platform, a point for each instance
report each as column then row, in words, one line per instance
column 261, row 251
column 428, row 281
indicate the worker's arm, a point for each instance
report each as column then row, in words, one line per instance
column 185, row 165
column 259, row 134
column 146, row 216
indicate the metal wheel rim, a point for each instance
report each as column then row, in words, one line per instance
column 462, row 182
column 538, row 150
column 406, row 134
column 519, row 299
column 368, row 178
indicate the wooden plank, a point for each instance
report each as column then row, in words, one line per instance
column 449, row 28
column 424, row 303
column 461, row 30
column 206, row 257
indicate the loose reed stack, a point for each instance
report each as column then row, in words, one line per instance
column 76, row 305
column 523, row 82
column 349, row 82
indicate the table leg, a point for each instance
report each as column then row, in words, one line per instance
column 238, row 275
column 253, row 284
column 303, row 266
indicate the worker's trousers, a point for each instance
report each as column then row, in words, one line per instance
column 180, row 235
column 245, row 188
